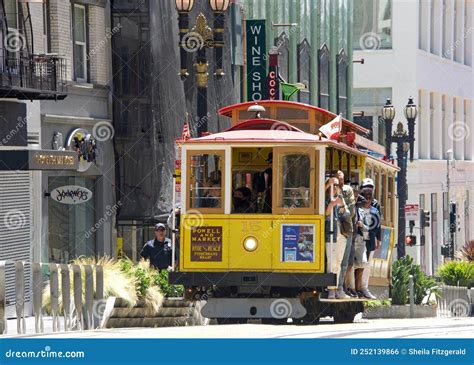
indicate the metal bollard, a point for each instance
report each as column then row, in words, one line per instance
column 412, row 296
column 77, row 281
column 66, row 295
column 3, row 301
column 20, row 297
column 38, row 297
column 54, row 292
column 99, row 282
column 89, row 296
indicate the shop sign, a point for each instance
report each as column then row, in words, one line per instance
column 206, row 243
column 71, row 194
column 273, row 82
column 256, row 60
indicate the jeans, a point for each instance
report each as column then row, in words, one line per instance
column 344, row 262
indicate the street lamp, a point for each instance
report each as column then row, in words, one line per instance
column 183, row 7
column 404, row 142
column 388, row 114
column 410, row 114
column 198, row 40
column 219, row 7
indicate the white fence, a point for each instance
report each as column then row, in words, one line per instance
column 83, row 310
column 455, row 301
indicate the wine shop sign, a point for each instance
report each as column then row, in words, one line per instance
column 71, row 194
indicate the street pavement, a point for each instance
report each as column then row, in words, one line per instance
column 361, row 328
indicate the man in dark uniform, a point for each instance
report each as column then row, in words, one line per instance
column 158, row 250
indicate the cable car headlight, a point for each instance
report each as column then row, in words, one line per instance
column 250, row 243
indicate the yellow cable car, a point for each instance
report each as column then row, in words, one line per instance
column 253, row 213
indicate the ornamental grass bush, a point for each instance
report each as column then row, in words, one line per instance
column 133, row 283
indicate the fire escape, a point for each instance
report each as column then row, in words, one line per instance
column 23, row 73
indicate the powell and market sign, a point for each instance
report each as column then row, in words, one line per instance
column 256, row 60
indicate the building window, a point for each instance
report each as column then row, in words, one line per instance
column 304, row 61
column 423, row 25
column 46, row 27
column 467, row 34
column 373, row 24
column 11, row 13
column 371, row 101
column 79, row 38
column 323, row 77
column 342, row 83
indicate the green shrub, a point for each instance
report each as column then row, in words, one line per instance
column 457, row 273
column 169, row 291
column 377, row 303
column 422, row 283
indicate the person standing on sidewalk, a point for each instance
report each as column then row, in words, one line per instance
column 158, row 250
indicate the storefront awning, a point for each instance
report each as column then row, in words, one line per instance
column 37, row 160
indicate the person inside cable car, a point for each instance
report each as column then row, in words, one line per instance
column 242, row 200
column 263, row 185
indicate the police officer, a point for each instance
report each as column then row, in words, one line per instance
column 158, row 250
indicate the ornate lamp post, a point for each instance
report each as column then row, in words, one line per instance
column 410, row 114
column 388, row 114
column 198, row 40
column 404, row 142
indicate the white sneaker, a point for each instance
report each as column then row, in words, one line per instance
column 340, row 294
column 332, row 294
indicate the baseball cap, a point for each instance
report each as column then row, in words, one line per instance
column 367, row 182
column 159, row 226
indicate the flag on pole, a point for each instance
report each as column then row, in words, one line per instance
column 332, row 129
column 186, row 135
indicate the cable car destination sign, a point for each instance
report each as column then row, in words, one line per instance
column 256, row 60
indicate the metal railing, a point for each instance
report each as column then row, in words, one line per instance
column 37, row 72
column 86, row 308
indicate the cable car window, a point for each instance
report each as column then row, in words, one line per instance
column 205, row 187
column 295, row 185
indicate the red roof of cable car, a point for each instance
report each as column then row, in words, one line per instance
column 227, row 111
column 269, row 130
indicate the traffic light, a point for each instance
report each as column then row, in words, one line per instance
column 452, row 218
column 410, row 240
column 425, row 219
